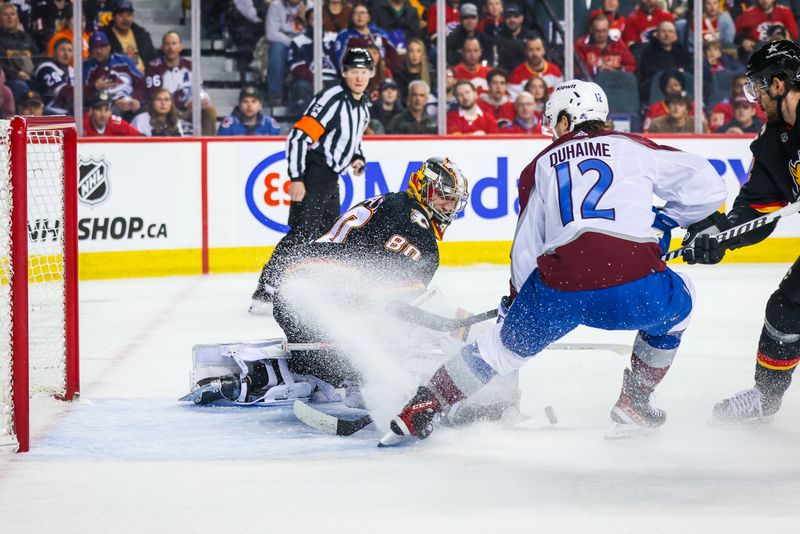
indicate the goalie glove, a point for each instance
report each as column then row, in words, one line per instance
column 700, row 246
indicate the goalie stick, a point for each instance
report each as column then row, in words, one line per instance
column 431, row 321
column 743, row 228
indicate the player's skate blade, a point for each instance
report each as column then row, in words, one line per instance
column 395, row 437
column 203, row 395
column 260, row 307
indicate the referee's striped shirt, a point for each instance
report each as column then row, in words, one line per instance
column 333, row 125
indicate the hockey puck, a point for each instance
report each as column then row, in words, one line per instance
column 550, row 412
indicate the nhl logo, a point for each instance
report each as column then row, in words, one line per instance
column 93, row 185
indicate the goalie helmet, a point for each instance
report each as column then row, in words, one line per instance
column 439, row 178
column 581, row 101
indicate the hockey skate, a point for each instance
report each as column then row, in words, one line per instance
column 414, row 421
column 749, row 406
column 214, row 389
column 633, row 414
column 260, row 306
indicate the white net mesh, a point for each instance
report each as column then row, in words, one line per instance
column 46, row 289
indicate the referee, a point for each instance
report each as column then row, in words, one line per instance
column 323, row 143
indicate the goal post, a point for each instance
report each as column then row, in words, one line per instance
column 38, row 273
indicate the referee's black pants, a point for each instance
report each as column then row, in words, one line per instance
column 308, row 219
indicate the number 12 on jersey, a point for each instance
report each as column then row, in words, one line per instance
column 605, row 177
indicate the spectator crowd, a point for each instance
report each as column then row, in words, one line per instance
column 501, row 64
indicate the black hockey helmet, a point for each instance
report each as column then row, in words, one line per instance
column 778, row 58
column 357, row 57
column 442, row 178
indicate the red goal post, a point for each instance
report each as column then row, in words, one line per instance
column 38, row 230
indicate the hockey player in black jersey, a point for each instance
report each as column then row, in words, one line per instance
column 385, row 248
column 773, row 81
column 391, row 238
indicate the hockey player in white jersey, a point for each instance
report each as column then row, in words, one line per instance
column 586, row 253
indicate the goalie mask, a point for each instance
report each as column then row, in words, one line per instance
column 440, row 187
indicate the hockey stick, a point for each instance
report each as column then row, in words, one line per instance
column 329, row 424
column 431, row 321
column 618, row 348
column 743, row 228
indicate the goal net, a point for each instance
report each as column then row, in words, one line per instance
column 38, row 269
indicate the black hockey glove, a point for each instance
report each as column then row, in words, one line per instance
column 700, row 247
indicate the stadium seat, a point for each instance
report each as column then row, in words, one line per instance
column 620, row 87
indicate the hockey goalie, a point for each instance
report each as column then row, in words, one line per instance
column 332, row 298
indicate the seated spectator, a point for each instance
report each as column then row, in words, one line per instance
column 541, row 93
column 717, row 26
column 362, row 34
column 381, row 73
column 534, row 65
column 744, row 118
column 173, row 72
column 643, row 21
column 114, row 73
column 127, row 37
column 47, row 18
column 451, row 18
column 526, row 120
column 468, row 29
column 99, row 121
column 599, row 53
column 723, row 111
column 468, row 118
column 31, row 105
column 399, row 19
column 302, row 67
column 615, row 19
column 496, row 100
column 664, row 52
column 54, row 78
column 387, row 106
column 66, row 33
column 336, row 15
column 161, row 118
column 285, row 21
column 17, row 50
column 471, row 69
column 8, row 107
column 414, row 67
column 753, row 24
column 677, row 119
column 671, row 82
column 449, row 99
column 717, row 61
column 511, row 38
column 247, row 118
column 414, row 120
column 491, row 23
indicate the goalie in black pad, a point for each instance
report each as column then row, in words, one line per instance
column 382, row 249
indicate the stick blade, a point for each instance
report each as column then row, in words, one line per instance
column 326, row 423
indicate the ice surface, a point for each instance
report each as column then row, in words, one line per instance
column 127, row 458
